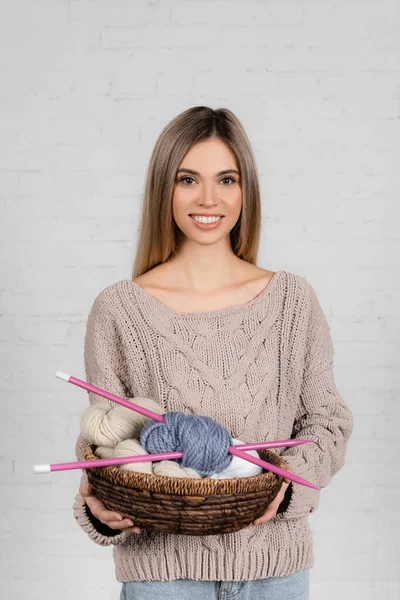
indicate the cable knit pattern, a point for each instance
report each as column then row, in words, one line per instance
column 263, row 370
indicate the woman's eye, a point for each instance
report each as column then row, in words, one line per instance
column 183, row 178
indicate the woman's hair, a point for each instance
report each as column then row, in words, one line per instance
column 159, row 237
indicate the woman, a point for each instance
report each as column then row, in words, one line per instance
column 202, row 329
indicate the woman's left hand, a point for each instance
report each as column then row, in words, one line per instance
column 271, row 511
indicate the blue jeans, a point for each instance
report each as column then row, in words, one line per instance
column 292, row 587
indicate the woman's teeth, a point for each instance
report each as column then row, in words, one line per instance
column 205, row 219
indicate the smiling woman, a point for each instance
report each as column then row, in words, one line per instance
column 201, row 329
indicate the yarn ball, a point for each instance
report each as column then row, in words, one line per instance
column 204, row 442
column 103, row 425
column 126, row 448
column 239, row 467
column 132, row 448
column 104, row 452
column 170, row 468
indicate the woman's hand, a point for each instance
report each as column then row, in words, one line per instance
column 108, row 517
column 271, row 511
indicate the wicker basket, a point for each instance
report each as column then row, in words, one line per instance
column 184, row 505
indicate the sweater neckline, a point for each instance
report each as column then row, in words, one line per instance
column 236, row 308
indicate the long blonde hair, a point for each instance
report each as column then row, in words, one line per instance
column 158, row 235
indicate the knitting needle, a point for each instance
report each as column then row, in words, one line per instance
column 277, row 444
column 96, row 390
column 261, row 463
column 152, row 415
column 106, row 462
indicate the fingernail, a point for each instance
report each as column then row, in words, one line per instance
column 137, row 530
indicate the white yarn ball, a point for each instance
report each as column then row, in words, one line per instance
column 169, row 468
column 239, row 467
column 132, row 448
column 105, row 426
column 104, row 452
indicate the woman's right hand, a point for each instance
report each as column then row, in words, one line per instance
column 108, row 517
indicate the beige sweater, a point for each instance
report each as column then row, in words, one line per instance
column 264, row 370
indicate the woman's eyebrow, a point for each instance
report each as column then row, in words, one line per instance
column 198, row 174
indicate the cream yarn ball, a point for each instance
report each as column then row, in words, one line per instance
column 169, row 468
column 132, row 448
column 104, row 452
column 103, row 425
column 125, row 448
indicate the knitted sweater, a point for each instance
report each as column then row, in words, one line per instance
column 264, row 370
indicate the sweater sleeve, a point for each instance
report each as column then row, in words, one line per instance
column 104, row 368
column 97, row 531
column 322, row 416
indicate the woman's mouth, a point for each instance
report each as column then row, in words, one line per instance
column 206, row 222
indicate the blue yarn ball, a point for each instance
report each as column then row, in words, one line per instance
column 204, row 442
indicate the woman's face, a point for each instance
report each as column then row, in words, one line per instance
column 207, row 183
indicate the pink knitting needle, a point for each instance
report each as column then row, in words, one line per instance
column 106, row 462
column 152, row 415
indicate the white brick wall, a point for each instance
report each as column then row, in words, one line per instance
column 86, row 87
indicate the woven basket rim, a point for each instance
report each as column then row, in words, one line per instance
column 189, row 486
